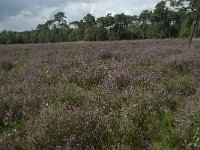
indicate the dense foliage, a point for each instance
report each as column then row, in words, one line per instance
column 167, row 20
column 100, row 95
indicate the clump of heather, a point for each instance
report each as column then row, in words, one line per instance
column 100, row 95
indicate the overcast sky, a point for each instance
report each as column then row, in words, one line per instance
column 19, row 15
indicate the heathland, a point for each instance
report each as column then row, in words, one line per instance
column 100, row 95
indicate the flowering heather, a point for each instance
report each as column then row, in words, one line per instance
column 100, row 95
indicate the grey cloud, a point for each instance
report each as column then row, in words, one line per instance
column 13, row 7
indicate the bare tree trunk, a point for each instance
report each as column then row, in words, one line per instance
column 194, row 26
column 195, row 34
column 141, row 31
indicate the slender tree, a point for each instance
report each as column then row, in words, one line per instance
column 194, row 7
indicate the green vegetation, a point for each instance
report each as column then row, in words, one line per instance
column 169, row 19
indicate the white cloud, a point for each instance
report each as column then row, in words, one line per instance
column 127, row 12
column 93, row 8
column 76, row 11
column 110, row 12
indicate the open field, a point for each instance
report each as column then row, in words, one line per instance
column 100, row 95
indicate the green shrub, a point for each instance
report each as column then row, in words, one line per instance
column 122, row 82
column 92, row 78
column 69, row 93
column 193, row 132
column 2, row 113
column 57, row 127
column 182, row 84
column 74, row 94
column 6, row 66
column 163, row 127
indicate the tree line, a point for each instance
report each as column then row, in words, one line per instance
column 169, row 19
